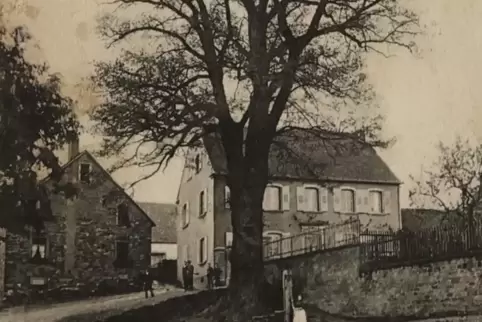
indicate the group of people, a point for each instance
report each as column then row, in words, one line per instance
column 213, row 276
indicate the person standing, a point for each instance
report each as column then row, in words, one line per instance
column 185, row 276
column 210, row 276
column 190, row 273
column 148, row 284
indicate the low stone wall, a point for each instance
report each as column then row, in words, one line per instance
column 331, row 282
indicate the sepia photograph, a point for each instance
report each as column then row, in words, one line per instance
column 240, row 160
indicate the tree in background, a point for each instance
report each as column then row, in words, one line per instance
column 248, row 71
column 35, row 120
column 453, row 182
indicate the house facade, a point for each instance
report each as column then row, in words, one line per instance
column 324, row 184
column 99, row 234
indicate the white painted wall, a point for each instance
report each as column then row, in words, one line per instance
column 169, row 249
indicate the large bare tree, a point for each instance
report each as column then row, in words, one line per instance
column 453, row 182
column 259, row 67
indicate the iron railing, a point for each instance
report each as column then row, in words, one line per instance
column 329, row 237
column 405, row 248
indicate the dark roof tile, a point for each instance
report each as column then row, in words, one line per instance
column 315, row 156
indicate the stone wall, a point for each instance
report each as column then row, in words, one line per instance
column 81, row 241
column 331, row 282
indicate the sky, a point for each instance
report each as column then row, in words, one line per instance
column 429, row 97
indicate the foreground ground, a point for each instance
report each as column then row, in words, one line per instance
column 97, row 308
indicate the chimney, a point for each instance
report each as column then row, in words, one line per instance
column 73, row 147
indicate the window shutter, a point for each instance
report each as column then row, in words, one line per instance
column 266, row 199
column 336, row 199
column 366, row 202
column 361, row 201
column 181, row 216
column 300, row 198
column 286, row 198
column 387, row 198
column 286, row 245
column 198, row 248
column 208, row 200
column 188, row 214
column 205, row 250
column 323, row 195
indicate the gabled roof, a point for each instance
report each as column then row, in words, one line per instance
column 164, row 215
column 98, row 165
column 302, row 154
column 416, row 219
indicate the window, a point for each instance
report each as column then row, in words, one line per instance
column 84, row 173
column 185, row 215
column 202, row 203
column 123, row 215
column 203, row 258
column 376, row 201
column 312, row 197
column 228, row 239
column 272, row 198
column 347, row 200
column 198, row 163
column 122, row 253
column 227, row 197
column 39, row 246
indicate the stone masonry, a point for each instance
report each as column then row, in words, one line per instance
column 331, row 282
column 81, row 241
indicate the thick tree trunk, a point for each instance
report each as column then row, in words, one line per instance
column 247, row 159
column 247, row 269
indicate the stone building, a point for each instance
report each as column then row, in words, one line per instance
column 99, row 234
column 318, row 182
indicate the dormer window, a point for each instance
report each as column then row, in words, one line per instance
column 123, row 215
column 84, row 172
